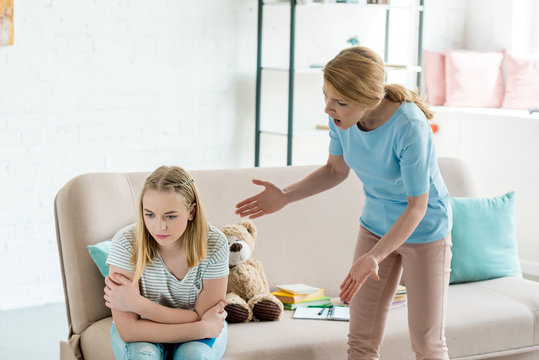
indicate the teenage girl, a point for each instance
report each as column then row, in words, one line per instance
column 382, row 133
column 168, row 276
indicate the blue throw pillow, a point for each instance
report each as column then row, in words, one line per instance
column 483, row 235
column 99, row 253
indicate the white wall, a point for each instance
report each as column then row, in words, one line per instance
column 444, row 24
column 112, row 86
column 509, row 25
column 484, row 25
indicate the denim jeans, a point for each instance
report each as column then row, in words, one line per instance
column 197, row 349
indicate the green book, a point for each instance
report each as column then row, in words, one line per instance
column 319, row 301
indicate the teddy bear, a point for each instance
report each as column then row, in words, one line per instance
column 248, row 296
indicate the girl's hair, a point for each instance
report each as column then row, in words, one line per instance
column 358, row 73
column 171, row 179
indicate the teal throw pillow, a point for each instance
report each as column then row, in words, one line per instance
column 99, row 253
column 483, row 235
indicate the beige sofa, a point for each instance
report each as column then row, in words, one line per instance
column 310, row 241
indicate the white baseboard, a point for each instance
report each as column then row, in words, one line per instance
column 530, row 267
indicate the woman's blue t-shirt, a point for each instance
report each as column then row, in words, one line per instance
column 394, row 161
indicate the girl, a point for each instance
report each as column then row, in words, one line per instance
column 381, row 132
column 168, row 276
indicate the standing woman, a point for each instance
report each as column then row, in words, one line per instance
column 168, row 276
column 382, row 133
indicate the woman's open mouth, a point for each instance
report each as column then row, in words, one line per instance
column 337, row 122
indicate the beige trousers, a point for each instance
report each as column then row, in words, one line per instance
column 425, row 269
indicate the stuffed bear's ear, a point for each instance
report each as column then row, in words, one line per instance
column 249, row 226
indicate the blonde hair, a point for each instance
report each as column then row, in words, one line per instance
column 170, row 179
column 358, row 73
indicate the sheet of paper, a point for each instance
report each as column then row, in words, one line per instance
column 341, row 313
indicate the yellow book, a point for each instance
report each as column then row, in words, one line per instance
column 295, row 298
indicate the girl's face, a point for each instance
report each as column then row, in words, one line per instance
column 344, row 113
column 166, row 215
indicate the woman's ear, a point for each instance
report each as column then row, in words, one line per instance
column 193, row 211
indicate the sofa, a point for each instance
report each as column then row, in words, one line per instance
column 311, row 242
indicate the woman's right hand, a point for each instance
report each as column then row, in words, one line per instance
column 265, row 202
column 214, row 319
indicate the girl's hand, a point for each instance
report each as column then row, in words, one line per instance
column 266, row 202
column 362, row 268
column 214, row 319
column 120, row 293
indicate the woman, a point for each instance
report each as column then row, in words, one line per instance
column 168, row 276
column 382, row 133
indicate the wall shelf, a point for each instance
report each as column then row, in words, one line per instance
column 416, row 68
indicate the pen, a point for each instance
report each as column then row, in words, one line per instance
column 321, row 311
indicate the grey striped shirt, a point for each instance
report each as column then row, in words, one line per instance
column 158, row 284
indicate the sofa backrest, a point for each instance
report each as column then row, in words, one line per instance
column 311, row 241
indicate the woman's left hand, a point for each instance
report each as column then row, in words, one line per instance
column 120, row 293
column 362, row 268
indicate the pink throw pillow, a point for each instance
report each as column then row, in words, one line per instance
column 474, row 78
column 434, row 65
column 521, row 82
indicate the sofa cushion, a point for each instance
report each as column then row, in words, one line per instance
column 521, row 82
column 99, row 253
column 483, row 234
column 474, row 78
column 482, row 318
column 95, row 341
column 434, row 64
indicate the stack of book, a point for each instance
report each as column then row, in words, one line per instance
column 399, row 300
column 297, row 295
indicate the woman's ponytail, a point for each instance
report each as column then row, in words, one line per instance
column 398, row 93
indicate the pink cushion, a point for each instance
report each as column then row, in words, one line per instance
column 474, row 78
column 521, row 82
column 434, row 65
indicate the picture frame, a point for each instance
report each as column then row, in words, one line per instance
column 6, row 22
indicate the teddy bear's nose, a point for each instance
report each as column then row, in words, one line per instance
column 235, row 247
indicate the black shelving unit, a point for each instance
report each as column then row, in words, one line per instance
column 291, row 70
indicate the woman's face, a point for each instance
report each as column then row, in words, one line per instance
column 166, row 216
column 344, row 113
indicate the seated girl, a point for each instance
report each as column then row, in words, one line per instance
column 168, row 276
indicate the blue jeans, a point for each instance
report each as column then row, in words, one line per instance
column 197, row 349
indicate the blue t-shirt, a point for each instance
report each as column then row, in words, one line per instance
column 394, row 161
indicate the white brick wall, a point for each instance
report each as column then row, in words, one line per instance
column 112, row 86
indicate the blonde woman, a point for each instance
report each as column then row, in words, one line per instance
column 168, row 276
column 382, row 133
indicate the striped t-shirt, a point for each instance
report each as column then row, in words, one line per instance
column 158, row 284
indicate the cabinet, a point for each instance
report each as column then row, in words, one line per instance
column 377, row 30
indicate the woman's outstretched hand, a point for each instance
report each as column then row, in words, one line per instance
column 265, row 202
column 214, row 319
column 120, row 293
column 362, row 268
